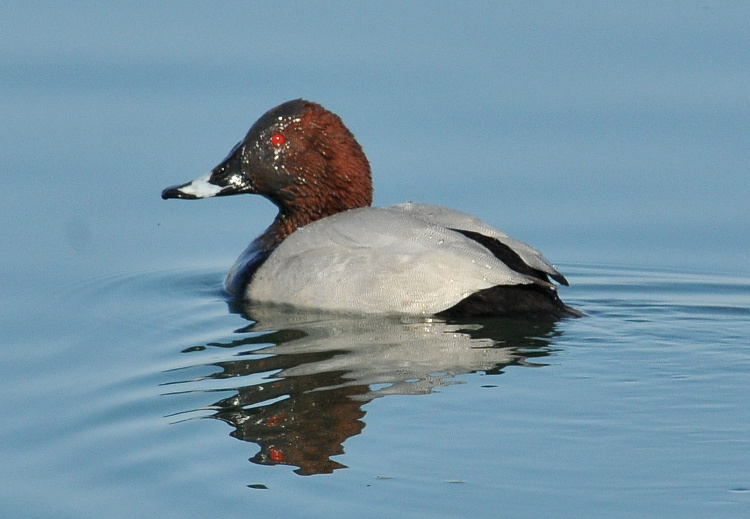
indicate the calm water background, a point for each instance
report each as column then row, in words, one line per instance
column 616, row 139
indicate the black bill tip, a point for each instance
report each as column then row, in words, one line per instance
column 176, row 192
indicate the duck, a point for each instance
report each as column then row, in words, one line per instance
column 329, row 249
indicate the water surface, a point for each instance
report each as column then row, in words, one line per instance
column 615, row 140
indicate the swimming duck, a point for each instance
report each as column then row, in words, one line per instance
column 329, row 249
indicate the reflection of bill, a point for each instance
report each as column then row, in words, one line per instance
column 321, row 368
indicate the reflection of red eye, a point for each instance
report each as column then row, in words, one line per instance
column 277, row 139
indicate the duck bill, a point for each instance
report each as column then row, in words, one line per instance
column 224, row 180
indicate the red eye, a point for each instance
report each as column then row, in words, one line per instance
column 277, row 139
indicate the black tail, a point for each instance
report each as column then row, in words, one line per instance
column 526, row 301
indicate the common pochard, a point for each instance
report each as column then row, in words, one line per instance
column 328, row 249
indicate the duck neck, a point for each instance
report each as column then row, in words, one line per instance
column 286, row 223
column 277, row 232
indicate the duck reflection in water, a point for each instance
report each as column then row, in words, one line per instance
column 322, row 368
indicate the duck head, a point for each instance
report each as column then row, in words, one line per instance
column 298, row 155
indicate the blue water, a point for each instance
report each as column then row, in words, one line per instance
column 616, row 140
